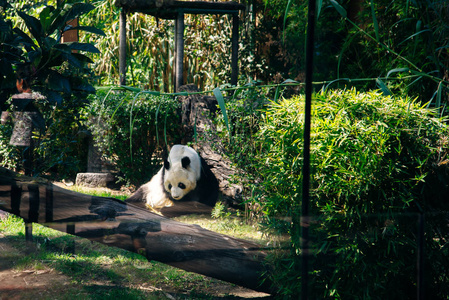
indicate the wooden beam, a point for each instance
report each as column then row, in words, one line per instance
column 179, row 50
column 122, row 48
column 169, row 9
column 235, row 49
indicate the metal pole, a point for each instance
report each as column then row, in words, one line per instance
column 306, row 166
column 122, row 48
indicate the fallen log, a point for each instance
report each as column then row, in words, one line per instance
column 127, row 226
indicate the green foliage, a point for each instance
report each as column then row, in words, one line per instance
column 9, row 155
column 378, row 162
column 132, row 129
column 237, row 126
column 33, row 47
column 386, row 38
column 31, row 50
column 220, row 211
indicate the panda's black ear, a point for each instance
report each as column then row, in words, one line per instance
column 185, row 161
column 166, row 164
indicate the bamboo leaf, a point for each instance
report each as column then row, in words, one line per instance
column 397, row 70
column 439, row 93
column 407, row 4
column 376, row 24
column 287, row 8
column 287, row 81
column 222, row 105
column 383, row 87
column 319, row 5
column 339, row 8
column 413, row 35
column 276, row 94
column 333, row 81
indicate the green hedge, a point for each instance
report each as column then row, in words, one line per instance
column 377, row 163
column 131, row 129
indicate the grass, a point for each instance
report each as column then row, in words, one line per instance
column 100, row 192
column 99, row 272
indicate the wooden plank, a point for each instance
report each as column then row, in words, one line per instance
column 115, row 223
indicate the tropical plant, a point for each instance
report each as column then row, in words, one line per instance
column 57, row 70
column 31, row 50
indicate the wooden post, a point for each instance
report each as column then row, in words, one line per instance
column 49, row 203
column 179, row 50
column 16, row 197
column 235, row 49
column 33, row 213
column 122, row 48
column 71, row 35
column 175, row 29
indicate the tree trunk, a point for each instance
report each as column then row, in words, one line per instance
column 197, row 114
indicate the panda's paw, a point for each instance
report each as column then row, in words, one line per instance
column 154, row 210
column 159, row 202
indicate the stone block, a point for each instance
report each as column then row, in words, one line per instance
column 94, row 180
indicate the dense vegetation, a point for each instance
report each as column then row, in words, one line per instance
column 30, row 50
column 131, row 129
column 379, row 159
column 378, row 163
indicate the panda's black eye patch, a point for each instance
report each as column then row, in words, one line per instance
column 169, row 186
column 181, row 185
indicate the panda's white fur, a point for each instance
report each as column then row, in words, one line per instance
column 179, row 179
column 153, row 195
column 182, row 171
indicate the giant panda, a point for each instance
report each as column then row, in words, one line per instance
column 185, row 176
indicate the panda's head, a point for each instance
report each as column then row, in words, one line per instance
column 179, row 178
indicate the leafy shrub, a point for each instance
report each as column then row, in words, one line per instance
column 378, row 162
column 244, row 110
column 129, row 129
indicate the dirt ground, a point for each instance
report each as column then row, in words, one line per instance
column 44, row 283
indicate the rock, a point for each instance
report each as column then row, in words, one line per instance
column 94, row 180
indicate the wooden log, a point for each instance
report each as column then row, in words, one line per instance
column 197, row 114
column 127, row 226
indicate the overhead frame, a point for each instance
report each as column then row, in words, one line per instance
column 175, row 10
